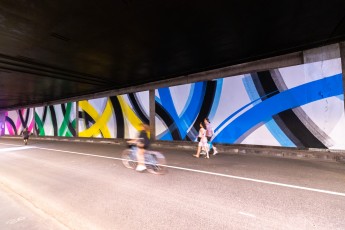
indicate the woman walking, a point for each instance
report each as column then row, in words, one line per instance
column 209, row 134
column 202, row 145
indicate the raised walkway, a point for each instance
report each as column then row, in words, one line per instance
column 282, row 152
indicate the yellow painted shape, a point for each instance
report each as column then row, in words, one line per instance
column 101, row 121
column 130, row 115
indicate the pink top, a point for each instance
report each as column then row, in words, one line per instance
column 202, row 135
column 209, row 130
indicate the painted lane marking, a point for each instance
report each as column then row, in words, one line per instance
column 214, row 174
column 247, row 214
column 16, row 220
column 16, row 148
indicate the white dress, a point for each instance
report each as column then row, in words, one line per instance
column 203, row 139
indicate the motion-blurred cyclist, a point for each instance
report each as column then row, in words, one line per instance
column 143, row 143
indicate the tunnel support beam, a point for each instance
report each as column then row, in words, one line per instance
column 152, row 114
column 321, row 54
column 342, row 54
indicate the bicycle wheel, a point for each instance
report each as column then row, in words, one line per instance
column 158, row 166
column 128, row 160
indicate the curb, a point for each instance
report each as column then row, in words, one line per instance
column 283, row 152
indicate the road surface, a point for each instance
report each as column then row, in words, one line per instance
column 75, row 185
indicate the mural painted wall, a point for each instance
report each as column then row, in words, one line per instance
column 113, row 117
column 17, row 120
column 56, row 120
column 297, row 106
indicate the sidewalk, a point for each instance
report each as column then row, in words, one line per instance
column 282, row 152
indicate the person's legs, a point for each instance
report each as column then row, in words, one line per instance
column 214, row 150
column 212, row 146
column 197, row 152
column 141, row 159
column 206, row 148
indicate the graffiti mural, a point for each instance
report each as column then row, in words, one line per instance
column 113, row 117
column 56, row 120
column 17, row 120
column 297, row 106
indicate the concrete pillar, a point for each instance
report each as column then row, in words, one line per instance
column 342, row 55
column 321, row 53
column 325, row 53
column 34, row 129
column 77, row 119
column 2, row 123
column 152, row 114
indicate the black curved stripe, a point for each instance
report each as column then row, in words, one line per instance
column 207, row 103
column 45, row 110
column 87, row 118
column 27, row 117
column 69, row 125
column 9, row 120
column 138, row 108
column 22, row 120
column 168, row 120
column 120, row 122
column 36, row 127
column 289, row 118
column 54, row 121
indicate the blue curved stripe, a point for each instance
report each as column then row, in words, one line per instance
column 341, row 97
column 278, row 134
column 216, row 98
column 271, row 125
column 190, row 114
column 189, row 100
column 184, row 121
column 250, row 88
column 165, row 136
column 297, row 96
column 237, row 112
column 166, row 100
column 241, row 109
column 157, row 99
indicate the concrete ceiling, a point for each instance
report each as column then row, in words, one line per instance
column 52, row 50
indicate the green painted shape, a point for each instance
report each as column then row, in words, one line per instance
column 39, row 125
column 63, row 130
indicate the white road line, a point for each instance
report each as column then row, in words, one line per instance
column 261, row 181
column 10, row 144
column 247, row 214
column 16, row 220
column 16, row 148
column 212, row 173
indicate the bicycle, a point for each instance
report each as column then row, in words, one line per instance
column 154, row 161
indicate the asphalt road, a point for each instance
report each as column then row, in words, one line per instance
column 65, row 185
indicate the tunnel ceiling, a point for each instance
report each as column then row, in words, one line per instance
column 52, row 50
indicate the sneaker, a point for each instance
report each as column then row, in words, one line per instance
column 215, row 152
column 140, row 168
